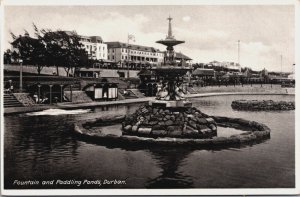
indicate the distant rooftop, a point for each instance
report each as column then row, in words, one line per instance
column 131, row 46
column 180, row 55
column 94, row 39
column 204, row 71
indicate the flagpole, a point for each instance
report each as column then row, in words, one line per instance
column 128, row 55
column 239, row 55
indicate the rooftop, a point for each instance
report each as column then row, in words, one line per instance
column 180, row 55
column 203, row 71
column 131, row 46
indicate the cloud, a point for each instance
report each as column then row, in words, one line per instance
column 186, row 18
column 205, row 39
column 255, row 47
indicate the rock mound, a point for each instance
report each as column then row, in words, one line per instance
column 176, row 122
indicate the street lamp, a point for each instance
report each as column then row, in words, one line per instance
column 61, row 93
column 39, row 92
column 21, row 75
column 50, row 86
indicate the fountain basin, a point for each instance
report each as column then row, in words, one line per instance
column 255, row 133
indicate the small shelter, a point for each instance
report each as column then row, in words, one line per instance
column 51, row 89
column 203, row 73
column 88, row 72
column 103, row 90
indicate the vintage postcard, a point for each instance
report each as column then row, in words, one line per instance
column 149, row 97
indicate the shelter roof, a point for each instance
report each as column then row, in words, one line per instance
column 180, row 55
column 203, row 71
column 145, row 72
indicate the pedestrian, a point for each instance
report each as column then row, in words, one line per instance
column 7, row 87
column 56, row 99
column 11, row 86
column 35, row 97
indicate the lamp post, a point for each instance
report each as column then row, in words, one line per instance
column 71, row 96
column 281, row 66
column 21, row 75
column 39, row 92
column 239, row 56
column 61, row 93
column 94, row 91
column 50, row 86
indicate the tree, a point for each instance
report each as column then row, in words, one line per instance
column 64, row 50
column 30, row 50
column 50, row 48
column 75, row 55
column 7, row 56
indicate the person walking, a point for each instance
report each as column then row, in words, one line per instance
column 11, row 86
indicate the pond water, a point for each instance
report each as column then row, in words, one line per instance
column 41, row 147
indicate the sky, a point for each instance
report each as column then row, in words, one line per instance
column 210, row 32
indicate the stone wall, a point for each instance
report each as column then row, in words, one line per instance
column 24, row 98
column 114, row 73
column 33, row 69
column 78, row 96
column 263, row 105
column 257, row 132
column 52, row 69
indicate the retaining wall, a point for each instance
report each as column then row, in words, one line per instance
column 262, row 105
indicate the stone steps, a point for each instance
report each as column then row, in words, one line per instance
column 137, row 93
column 11, row 101
column 192, row 91
column 120, row 96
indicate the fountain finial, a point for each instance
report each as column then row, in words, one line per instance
column 170, row 36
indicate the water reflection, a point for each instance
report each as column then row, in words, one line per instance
column 41, row 147
column 169, row 161
column 57, row 112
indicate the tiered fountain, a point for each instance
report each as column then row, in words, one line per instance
column 170, row 115
column 170, row 119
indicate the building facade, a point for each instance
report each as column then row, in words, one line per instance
column 95, row 47
column 123, row 53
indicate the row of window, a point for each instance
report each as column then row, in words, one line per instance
column 112, row 57
column 101, row 56
column 123, row 57
column 137, row 52
column 90, row 47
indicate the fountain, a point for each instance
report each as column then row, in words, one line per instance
column 171, row 114
column 170, row 119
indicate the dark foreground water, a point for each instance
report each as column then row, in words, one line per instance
column 41, row 148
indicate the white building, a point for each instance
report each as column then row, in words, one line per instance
column 95, row 47
column 229, row 65
column 122, row 52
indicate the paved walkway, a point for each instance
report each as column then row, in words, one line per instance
column 94, row 104
column 18, row 110
column 234, row 93
column 121, row 102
